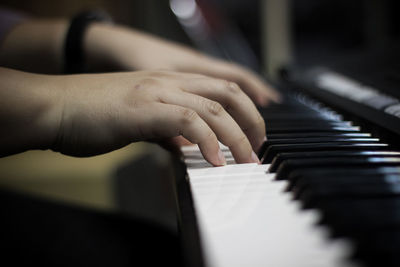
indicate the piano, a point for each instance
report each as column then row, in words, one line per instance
column 326, row 194
column 328, row 190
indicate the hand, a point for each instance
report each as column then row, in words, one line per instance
column 40, row 42
column 103, row 112
column 132, row 50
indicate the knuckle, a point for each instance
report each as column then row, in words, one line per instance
column 214, row 108
column 224, row 83
column 188, row 116
column 233, row 88
column 235, row 98
column 147, row 83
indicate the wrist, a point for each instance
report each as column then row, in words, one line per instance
column 51, row 91
column 29, row 109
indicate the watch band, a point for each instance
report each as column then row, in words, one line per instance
column 74, row 58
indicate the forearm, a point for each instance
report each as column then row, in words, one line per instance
column 35, row 46
column 38, row 46
column 27, row 111
column 123, row 48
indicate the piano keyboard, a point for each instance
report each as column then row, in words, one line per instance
column 326, row 194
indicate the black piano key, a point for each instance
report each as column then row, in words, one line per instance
column 273, row 150
column 317, row 134
column 320, row 192
column 304, row 140
column 318, row 140
column 345, row 221
column 304, row 123
column 344, row 171
column 294, row 135
column 291, row 116
column 290, row 165
column 308, row 121
column 328, row 154
column 323, row 172
column 353, row 216
column 378, row 248
column 287, row 107
column 291, row 113
column 289, row 129
column 360, row 205
column 309, row 182
column 287, row 141
column 295, row 112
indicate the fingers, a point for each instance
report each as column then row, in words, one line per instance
column 222, row 124
column 236, row 103
column 261, row 92
column 180, row 141
column 159, row 120
column 257, row 89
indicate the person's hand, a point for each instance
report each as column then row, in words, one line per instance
column 103, row 112
column 132, row 50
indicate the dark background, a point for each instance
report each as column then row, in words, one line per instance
column 324, row 27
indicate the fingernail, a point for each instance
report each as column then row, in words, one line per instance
column 254, row 158
column 265, row 139
column 221, row 158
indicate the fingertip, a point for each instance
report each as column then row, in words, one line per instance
column 254, row 158
column 221, row 158
column 262, row 101
column 213, row 154
column 217, row 159
column 278, row 98
column 275, row 95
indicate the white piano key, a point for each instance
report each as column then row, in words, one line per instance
column 197, row 163
column 237, row 169
column 246, row 219
column 197, row 155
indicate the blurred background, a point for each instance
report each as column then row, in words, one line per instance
column 273, row 37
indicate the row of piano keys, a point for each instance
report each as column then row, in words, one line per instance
column 351, row 179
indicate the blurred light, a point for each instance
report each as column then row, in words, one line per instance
column 183, row 9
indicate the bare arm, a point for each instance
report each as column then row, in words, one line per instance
column 37, row 46
column 28, row 111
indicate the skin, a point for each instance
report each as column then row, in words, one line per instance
column 128, row 54
column 174, row 92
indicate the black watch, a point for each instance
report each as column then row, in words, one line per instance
column 74, row 58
